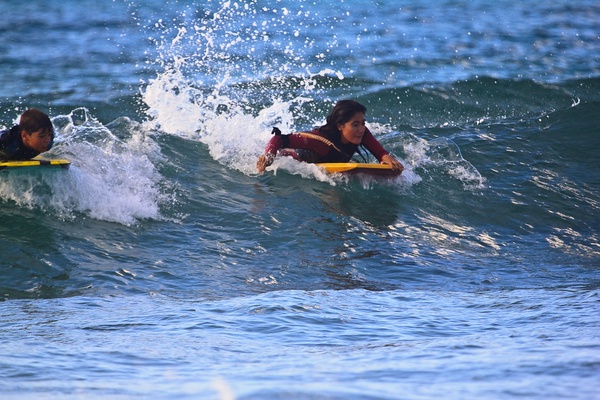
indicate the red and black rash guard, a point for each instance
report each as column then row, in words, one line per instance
column 320, row 150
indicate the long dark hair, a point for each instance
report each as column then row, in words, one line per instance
column 342, row 112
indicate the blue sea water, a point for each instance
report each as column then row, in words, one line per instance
column 161, row 265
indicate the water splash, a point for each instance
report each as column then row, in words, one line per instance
column 111, row 178
column 228, row 75
column 442, row 154
column 217, row 85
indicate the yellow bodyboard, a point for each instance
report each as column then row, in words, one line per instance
column 357, row 168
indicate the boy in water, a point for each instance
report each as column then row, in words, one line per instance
column 33, row 135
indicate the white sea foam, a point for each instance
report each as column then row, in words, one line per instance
column 110, row 178
column 234, row 113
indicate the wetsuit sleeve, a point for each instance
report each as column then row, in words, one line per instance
column 8, row 143
column 373, row 145
column 296, row 141
column 274, row 144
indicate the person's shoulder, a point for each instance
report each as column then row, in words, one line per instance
column 10, row 138
column 9, row 134
column 320, row 130
column 14, row 130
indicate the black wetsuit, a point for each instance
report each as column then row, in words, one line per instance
column 12, row 147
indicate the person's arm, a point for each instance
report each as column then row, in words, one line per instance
column 293, row 141
column 382, row 155
column 392, row 162
column 271, row 149
column 8, row 143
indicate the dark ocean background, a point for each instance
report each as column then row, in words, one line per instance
column 161, row 265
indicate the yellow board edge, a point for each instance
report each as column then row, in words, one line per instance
column 383, row 169
column 36, row 163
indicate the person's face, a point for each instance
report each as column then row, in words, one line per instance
column 39, row 140
column 353, row 130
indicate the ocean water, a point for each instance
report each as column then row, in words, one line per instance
column 161, row 265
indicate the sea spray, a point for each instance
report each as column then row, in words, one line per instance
column 233, row 108
column 111, row 178
column 213, row 80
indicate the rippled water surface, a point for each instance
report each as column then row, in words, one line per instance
column 161, row 265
